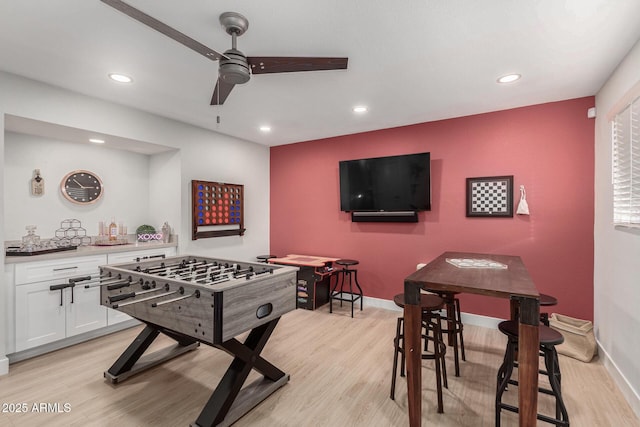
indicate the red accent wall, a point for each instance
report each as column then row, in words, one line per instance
column 549, row 148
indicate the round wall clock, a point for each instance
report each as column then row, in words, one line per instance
column 81, row 187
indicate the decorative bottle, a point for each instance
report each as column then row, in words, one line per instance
column 113, row 230
column 166, row 232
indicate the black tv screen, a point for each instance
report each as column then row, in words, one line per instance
column 395, row 183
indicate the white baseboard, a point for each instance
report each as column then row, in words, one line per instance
column 4, row 366
column 380, row 303
column 627, row 390
column 467, row 318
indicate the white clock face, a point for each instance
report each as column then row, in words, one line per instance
column 82, row 187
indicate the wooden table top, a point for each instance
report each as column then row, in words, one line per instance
column 303, row 260
column 441, row 274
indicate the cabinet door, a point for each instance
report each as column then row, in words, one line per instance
column 84, row 312
column 10, row 309
column 115, row 316
column 40, row 316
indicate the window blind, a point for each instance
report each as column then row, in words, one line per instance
column 626, row 165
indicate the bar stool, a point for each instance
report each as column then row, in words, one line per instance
column 549, row 338
column 454, row 327
column 546, row 300
column 341, row 274
column 265, row 258
column 429, row 304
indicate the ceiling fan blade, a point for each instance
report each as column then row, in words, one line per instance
column 163, row 28
column 289, row 64
column 221, row 92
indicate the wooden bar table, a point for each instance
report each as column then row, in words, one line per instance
column 477, row 277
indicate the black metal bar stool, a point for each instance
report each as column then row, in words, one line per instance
column 341, row 275
column 265, row 258
column 429, row 304
column 546, row 300
column 549, row 338
column 454, row 326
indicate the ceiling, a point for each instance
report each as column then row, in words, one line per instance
column 409, row 62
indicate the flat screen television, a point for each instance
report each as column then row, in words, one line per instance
column 386, row 184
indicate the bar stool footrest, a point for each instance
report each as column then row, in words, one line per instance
column 350, row 297
column 540, row 417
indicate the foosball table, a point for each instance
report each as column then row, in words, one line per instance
column 197, row 300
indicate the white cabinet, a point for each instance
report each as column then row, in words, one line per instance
column 40, row 319
column 47, row 309
column 115, row 316
column 84, row 312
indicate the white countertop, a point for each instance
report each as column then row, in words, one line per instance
column 93, row 250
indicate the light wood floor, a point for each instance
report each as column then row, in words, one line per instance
column 340, row 376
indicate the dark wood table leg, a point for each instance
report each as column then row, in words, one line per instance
column 412, row 345
column 529, row 343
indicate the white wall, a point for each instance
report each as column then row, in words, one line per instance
column 202, row 155
column 125, row 178
column 617, row 250
column 4, row 361
column 165, row 188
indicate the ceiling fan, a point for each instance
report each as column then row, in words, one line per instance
column 234, row 67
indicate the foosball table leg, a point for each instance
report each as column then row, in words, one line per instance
column 230, row 400
column 131, row 361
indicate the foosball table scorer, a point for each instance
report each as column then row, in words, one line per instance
column 197, row 300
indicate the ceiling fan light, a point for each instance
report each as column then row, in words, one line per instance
column 509, row 78
column 120, row 78
column 234, row 69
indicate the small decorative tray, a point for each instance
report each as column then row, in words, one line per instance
column 111, row 243
column 15, row 251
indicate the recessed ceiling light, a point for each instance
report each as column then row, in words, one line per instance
column 360, row 109
column 509, row 78
column 120, row 78
column 265, row 128
column 96, row 140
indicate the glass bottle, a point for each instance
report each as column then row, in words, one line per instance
column 31, row 241
column 113, row 230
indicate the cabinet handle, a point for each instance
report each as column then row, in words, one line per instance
column 138, row 259
column 65, row 268
column 60, row 288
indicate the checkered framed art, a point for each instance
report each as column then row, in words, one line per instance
column 490, row 196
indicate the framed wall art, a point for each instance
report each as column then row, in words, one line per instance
column 490, row 196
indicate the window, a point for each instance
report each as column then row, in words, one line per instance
column 626, row 165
